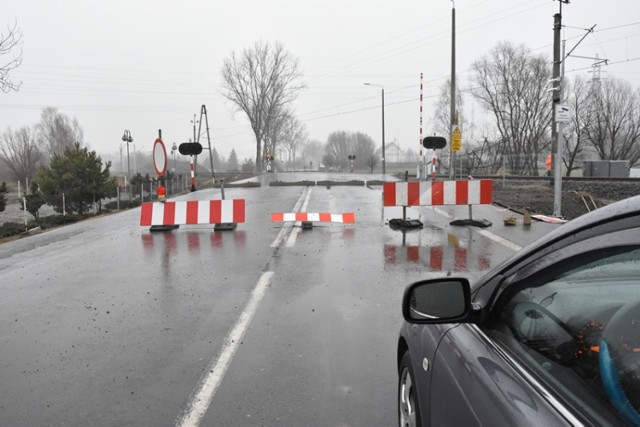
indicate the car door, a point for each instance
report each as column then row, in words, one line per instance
column 538, row 357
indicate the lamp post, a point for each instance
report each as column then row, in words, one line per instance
column 127, row 138
column 384, row 171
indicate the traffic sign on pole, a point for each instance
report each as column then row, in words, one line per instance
column 159, row 157
column 456, row 139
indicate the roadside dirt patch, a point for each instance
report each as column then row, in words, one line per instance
column 578, row 198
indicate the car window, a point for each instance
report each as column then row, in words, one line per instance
column 579, row 331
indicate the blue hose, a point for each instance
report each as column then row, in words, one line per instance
column 613, row 387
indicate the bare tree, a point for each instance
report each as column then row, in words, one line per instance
column 510, row 82
column 21, row 153
column 341, row 144
column 57, row 131
column 442, row 111
column 615, row 128
column 312, row 150
column 363, row 147
column 293, row 137
column 372, row 161
column 10, row 45
column 275, row 129
column 581, row 118
column 261, row 81
column 337, row 149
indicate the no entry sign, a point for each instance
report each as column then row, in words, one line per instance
column 159, row 157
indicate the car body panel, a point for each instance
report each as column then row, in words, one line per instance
column 471, row 380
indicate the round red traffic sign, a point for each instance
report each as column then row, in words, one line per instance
column 159, row 157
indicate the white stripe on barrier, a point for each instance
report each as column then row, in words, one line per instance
column 158, row 214
column 449, row 193
column 227, row 213
column 203, row 212
column 181, row 213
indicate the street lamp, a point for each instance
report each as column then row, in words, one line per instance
column 383, row 157
column 127, row 138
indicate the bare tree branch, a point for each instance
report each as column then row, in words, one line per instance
column 614, row 132
column 261, row 82
column 10, row 46
column 511, row 83
column 21, row 152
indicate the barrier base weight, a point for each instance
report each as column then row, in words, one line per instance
column 472, row 222
column 163, row 227
column 226, row 226
column 401, row 224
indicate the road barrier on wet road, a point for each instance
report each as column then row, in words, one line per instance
column 438, row 193
column 192, row 212
column 435, row 193
column 345, row 218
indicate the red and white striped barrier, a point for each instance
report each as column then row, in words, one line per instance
column 435, row 193
column 192, row 212
column 436, row 258
column 345, row 218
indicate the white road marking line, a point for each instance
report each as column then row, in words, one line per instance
column 489, row 235
column 287, row 226
column 504, row 242
column 204, row 392
column 291, row 241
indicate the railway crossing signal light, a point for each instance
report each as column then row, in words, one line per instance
column 434, row 142
column 190, row 148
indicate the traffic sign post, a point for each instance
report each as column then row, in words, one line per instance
column 351, row 158
column 191, row 149
column 434, row 143
column 159, row 157
column 563, row 113
column 456, row 140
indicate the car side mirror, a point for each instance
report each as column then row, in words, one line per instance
column 445, row 300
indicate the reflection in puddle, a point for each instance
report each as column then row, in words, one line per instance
column 437, row 250
column 436, row 258
column 192, row 240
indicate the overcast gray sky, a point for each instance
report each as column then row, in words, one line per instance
column 145, row 65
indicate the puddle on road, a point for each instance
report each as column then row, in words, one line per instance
column 193, row 241
column 436, row 250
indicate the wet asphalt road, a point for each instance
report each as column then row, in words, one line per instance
column 105, row 323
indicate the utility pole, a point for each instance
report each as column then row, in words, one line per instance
column 203, row 113
column 195, row 160
column 556, row 153
column 453, row 88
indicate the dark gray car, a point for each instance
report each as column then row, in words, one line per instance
column 549, row 337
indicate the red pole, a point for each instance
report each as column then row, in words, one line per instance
column 193, row 176
column 421, row 162
column 433, row 166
